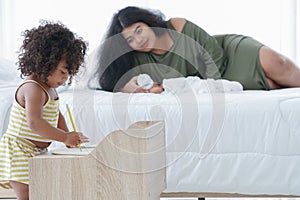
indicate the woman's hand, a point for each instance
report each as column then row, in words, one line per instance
column 133, row 87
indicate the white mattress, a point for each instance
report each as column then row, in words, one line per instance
column 239, row 142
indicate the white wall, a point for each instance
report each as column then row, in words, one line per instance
column 261, row 19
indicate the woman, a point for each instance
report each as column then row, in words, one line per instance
column 140, row 41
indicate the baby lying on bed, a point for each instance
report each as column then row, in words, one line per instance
column 191, row 82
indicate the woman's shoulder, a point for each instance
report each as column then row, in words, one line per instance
column 178, row 23
column 186, row 26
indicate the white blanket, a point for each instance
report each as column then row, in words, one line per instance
column 200, row 85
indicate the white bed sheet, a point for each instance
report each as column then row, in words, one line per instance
column 243, row 142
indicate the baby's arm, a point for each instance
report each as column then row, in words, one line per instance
column 157, row 89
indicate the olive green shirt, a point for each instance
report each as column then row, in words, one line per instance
column 195, row 53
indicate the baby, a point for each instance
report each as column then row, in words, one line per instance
column 145, row 81
column 199, row 85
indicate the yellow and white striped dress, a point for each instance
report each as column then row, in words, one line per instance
column 15, row 149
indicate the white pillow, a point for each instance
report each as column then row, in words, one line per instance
column 9, row 75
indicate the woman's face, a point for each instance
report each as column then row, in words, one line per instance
column 140, row 37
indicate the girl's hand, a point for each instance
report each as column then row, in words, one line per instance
column 132, row 87
column 73, row 139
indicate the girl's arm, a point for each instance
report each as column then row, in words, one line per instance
column 35, row 98
column 62, row 123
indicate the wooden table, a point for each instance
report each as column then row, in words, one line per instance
column 7, row 194
column 127, row 164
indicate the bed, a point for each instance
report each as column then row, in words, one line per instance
column 234, row 143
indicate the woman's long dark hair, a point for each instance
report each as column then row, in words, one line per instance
column 116, row 57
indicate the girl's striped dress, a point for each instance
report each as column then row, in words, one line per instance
column 15, row 149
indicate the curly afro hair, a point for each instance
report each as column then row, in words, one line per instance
column 44, row 47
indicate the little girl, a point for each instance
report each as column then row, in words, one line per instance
column 50, row 54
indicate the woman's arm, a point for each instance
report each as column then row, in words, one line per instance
column 178, row 24
column 132, row 87
column 210, row 52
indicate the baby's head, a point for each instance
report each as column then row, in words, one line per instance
column 45, row 46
